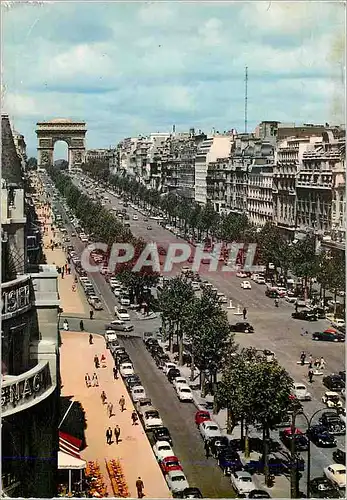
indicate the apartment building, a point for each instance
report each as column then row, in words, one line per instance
column 259, row 193
column 99, row 155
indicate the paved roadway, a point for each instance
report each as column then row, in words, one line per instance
column 275, row 329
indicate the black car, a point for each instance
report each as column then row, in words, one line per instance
column 151, row 342
column 243, row 327
column 320, row 436
column 333, row 382
column 192, row 493
column 321, row 487
column 259, row 494
column 319, row 311
column 332, row 423
column 343, row 375
column 329, row 336
column 218, row 444
column 339, row 457
column 173, row 373
column 301, row 441
column 132, row 381
column 229, row 460
column 123, row 358
column 162, row 434
column 305, row 315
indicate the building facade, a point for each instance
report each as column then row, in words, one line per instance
column 30, row 386
column 102, row 155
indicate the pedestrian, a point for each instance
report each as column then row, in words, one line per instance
column 207, row 448
column 103, row 360
column 310, row 375
column 310, row 361
column 115, row 372
column 139, row 487
column 317, row 363
column 87, row 380
column 122, row 403
column 66, row 325
column 244, row 312
column 322, row 363
column 134, row 417
column 95, row 380
column 73, row 288
column 110, row 410
column 66, row 267
column 96, row 361
column 103, row 397
column 303, row 357
column 68, row 270
column 117, row 433
column 109, row 436
column 91, row 339
column 81, row 325
column 62, row 273
column 91, row 314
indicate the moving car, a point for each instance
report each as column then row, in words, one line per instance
column 137, row 392
column 300, row 392
column 149, row 228
column 135, row 217
column 119, row 326
column 332, row 423
column 337, row 474
column 241, row 274
column 202, row 416
column 332, row 400
column 320, row 436
column 329, row 335
column 229, row 460
column 122, row 314
column 169, row 464
column 242, row 326
column 259, row 494
column 340, row 456
column 301, row 441
column 334, row 382
column 95, row 302
column 162, row 434
column 209, row 429
column 184, row 393
column 126, row 369
column 305, row 315
column 246, row 285
column 321, row 487
column 176, row 481
column 162, row 449
column 242, row 482
column 151, row 419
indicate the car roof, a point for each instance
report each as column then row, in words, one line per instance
column 176, row 473
column 162, row 443
column 172, row 458
column 242, row 473
column 331, row 393
column 137, row 387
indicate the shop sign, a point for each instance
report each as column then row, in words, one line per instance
column 20, row 392
column 15, row 299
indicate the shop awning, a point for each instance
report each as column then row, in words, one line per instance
column 66, row 461
column 69, row 444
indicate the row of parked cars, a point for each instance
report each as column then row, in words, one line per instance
column 158, row 434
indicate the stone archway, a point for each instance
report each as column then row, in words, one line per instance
column 61, row 129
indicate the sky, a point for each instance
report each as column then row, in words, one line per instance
column 130, row 68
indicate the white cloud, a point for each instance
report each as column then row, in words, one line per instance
column 154, row 14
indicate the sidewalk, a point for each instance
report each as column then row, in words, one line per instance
column 133, row 450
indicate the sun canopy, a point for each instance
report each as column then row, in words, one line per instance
column 66, row 461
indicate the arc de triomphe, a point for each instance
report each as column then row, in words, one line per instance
column 60, row 129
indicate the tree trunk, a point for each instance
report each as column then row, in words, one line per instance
column 180, row 348
column 230, row 422
column 242, row 422
column 335, row 305
column 203, row 383
column 246, row 441
column 192, row 368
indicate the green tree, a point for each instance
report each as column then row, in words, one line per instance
column 304, row 260
column 32, row 163
column 273, row 248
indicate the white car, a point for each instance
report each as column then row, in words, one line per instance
column 332, row 399
column 122, row 314
column 300, row 392
column 176, row 481
column 337, row 474
column 222, row 298
column 115, row 283
column 135, row 217
column 168, row 365
column 246, row 285
column 209, row 429
column 137, row 392
column 117, row 290
column 151, row 419
column 126, row 369
column 162, row 449
column 261, row 280
column 124, row 300
column 179, row 381
column 241, row 274
column 142, row 405
column 184, row 393
column 242, row 482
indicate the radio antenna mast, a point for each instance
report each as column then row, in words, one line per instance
column 246, row 98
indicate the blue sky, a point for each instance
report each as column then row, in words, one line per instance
column 131, row 68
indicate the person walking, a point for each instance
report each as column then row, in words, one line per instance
column 115, row 372
column 310, row 361
column 139, row 487
column 134, row 417
column 207, row 448
column 90, row 339
column 103, row 397
column 81, row 326
column 244, row 312
column 109, row 436
column 322, row 363
column 303, row 357
column 110, row 410
column 310, row 375
column 95, row 380
column 87, row 379
column 91, row 314
column 62, row 272
column 122, row 403
column 96, row 361
column 117, row 433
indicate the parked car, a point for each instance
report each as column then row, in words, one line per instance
column 305, row 315
column 332, row 423
column 242, row 482
column 179, row 381
column 169, row 365
column 137, row 392
column 184, row 393
column 242, row 326
column 321, row 487
column 143, row 404
column 339, row 456
column 122, row 314
column 218, row 444
column 133, row 381
column 300, row 392
column 169, row 464
column 202, row 416
column 162, row 434
column 301, row 441
column 229, row 460
column 162, row 449
column 172, row 374
column 334, row 382
column 192, row 493
column 119, row 326
column 320, row 436
column 124, row 300
column 337, row 474
column 241, row 274
column 246, row 285
column 329, row 335
column 259, row 494
column 176, row 481
column 332, row 400
column 209, row 429
column 126, row 369
column 151, row 419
